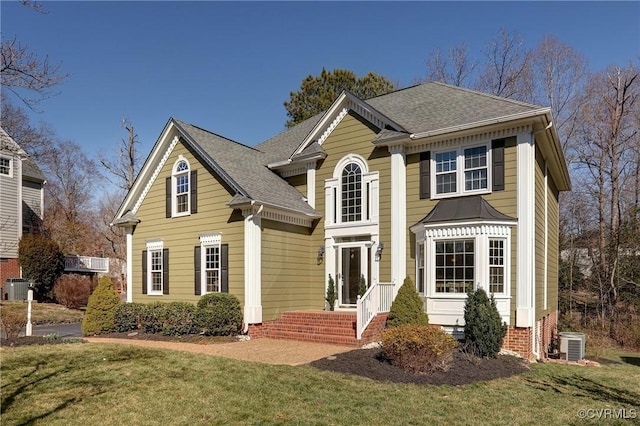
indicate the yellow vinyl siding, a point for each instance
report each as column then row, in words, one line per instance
column 285, row 270
column 553, row 242
column 354, row 135
column 181, row 234
column 299, row 182
column 539, row 235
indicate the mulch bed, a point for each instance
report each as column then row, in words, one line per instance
column 463, row 369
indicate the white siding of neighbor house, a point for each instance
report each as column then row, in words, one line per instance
column 10, row 211
column 32, row 203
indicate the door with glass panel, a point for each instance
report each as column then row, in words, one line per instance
column 353, row 264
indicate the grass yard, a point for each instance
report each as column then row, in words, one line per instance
column 46, row 313
column 79, row 384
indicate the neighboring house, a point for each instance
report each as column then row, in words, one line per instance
column 453, row 188
column 21, row 208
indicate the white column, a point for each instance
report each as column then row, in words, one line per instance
column 129, row 232
column 525, row 274
column 311, row 184
column 398, row 216
column 252, row 266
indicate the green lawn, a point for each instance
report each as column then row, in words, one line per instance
column 117, row 384
column 45, row 313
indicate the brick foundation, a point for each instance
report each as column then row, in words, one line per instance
column 9, row 268
column 520, row 339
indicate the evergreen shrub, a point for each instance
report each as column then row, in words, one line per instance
column 219, row 314
column 408, row 307
column 484, row 330
column 418, row 348
column 101, row 309
column 128, row 316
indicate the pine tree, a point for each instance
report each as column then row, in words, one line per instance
column 408, row 307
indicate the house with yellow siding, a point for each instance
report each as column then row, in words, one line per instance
column 453, row 188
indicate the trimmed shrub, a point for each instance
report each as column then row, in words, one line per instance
column 128, row 316
column 13, row 321
column 41, row 261
column 418, row 348
column 73, row 290
column 101, row 309
column 219, row 314
column 362, row 287
column 179, row 319
column 483, row 327
column 331, row 296
column 408, row 307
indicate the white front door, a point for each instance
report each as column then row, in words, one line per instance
column 354, row 262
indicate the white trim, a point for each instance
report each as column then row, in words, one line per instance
column 398, row 216
column 505, row 118
column 460, row 171
column 154, row 246
column 129, row 233
column 311, row 184
column 174, row 187
column 210, row 240
column 11, row 162
column 252, row 265
column 154, row 176
column 525, row 272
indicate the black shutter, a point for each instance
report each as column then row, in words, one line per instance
column 497, row 154
column 165, row 271
column 144, row 272
column 224, row 268
column 168, row 197
column 194, row 192
column 196, row 267
column 425, row 175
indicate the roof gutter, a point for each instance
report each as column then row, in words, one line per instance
column 503, row 119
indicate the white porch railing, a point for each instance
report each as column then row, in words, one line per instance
column 377, row 299
column 86, row 264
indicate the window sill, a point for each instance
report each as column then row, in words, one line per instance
column 181, row 214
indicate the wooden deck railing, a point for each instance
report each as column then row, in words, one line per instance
column 74, row 263
column 377, row 299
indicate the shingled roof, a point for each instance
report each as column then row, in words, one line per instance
column 246, row 168
column 461, row 209
column 30, row 169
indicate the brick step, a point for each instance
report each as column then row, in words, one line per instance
column 317, row 338
column 311, row 329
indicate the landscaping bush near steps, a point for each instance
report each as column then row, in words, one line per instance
column 407, row 308
column 484, row 330
column 418, row 348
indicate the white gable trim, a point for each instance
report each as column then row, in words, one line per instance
column 335, row 114
column 155, row 174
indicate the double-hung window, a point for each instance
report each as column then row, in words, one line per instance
column 155, row 268
column 211, row 259
column 5, row 166
column 496, row 266
column 212, row 268
column 461, row 171
column 181, row 176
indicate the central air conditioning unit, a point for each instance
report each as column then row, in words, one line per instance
column 571, row 345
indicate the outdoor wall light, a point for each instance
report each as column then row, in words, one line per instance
column 320, row 254
column 379, row 251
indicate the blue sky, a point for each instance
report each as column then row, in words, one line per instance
column 229, row 66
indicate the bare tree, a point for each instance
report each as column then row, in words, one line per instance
column 455, row 69
column 125, row 167
column 36, row 141
column 507, row 70
column 69, row 215
column 21, row 70
column 559, row 75
column 608, row 128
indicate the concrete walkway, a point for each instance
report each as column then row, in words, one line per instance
column 268, row 351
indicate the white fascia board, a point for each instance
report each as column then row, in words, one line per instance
column 338, row 105
column 420, row 226
column 467, row 126
column 145, row 172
